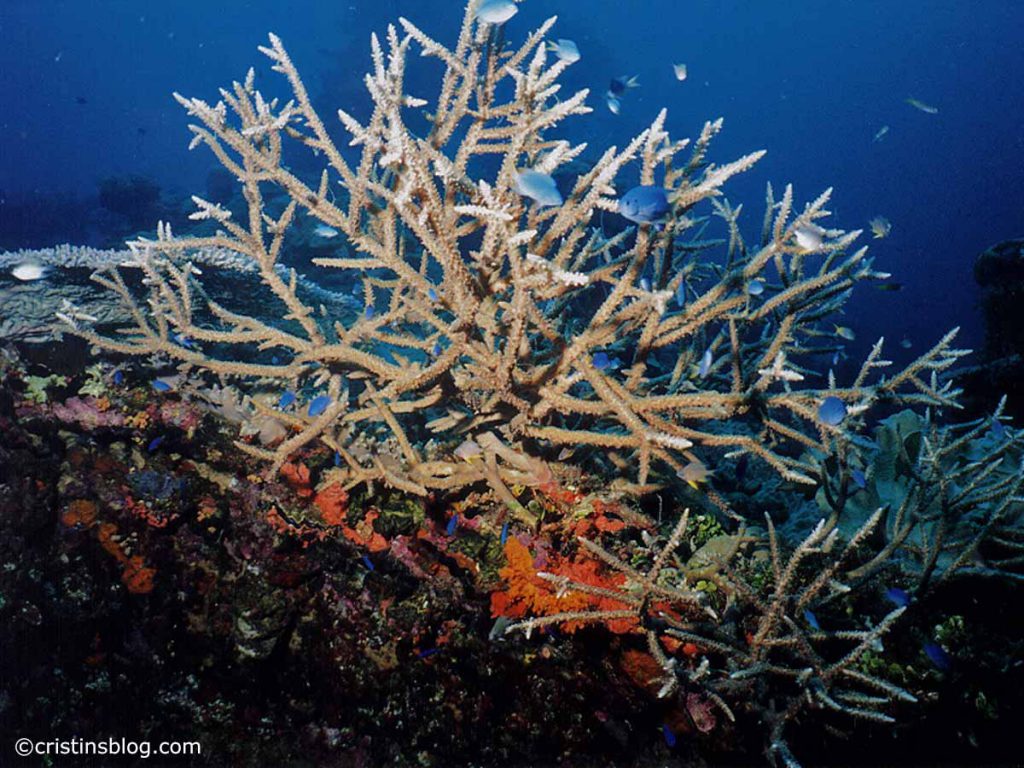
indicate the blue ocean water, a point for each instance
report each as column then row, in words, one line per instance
column 87, row 93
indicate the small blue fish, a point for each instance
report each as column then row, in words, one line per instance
column 619, row 85
column 183, row 341
column 368, row 312
column 337, row 459
column 286, row 399
column 539, row 187
column 436, row 350
column 937, row 655
column 812, row 620
column 118, row 378
column 898, row 597
column 496, row 11
column 368, row 563
column 705, row 364
column 998, row 431
column 837, row 357
column 859, row 479
column 161, row 386
column 324, row 231
column 670, row 738
column 832, row 411
column 452, row 525
column 504, row 534
column 645, row 284
column 318, row 405
column 644, row 204
column 428, row 652
column 681, row 294
column 601, row 360
column 755, row 287
column 566, row 50
column 154, row 443
column 432, row 294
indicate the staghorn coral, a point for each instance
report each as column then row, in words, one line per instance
column 755, row 651
column 951, row 497
column 482, row 312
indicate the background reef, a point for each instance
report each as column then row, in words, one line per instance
column 442, row 440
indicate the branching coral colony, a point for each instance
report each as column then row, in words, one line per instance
column 496, row 324
column 483, row 311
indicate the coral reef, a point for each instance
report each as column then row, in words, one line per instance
column 462, row 494
column 482, row 312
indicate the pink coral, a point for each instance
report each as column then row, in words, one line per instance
column 86, row 412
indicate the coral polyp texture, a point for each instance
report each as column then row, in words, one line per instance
column 485, row 313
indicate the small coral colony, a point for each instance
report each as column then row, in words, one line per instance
column 624, row 417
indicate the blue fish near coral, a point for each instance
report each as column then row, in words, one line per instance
column 184, row 341
column 453, row 524
column 670, row 737
column 619, row 85
column 859, row 479
column 644, row 204
column 539, row 187
column 154, row 443
column 601, row 360
column 898, row 597
column 118, row 378
column 161, row 386
column 565, row 50
column 705, row 363
column 496, row 11
column 937, row 655
column 318, row 405
column 812, row 620
column 832, row 411
column 504, row 534
column 432, row 294
column 998, row 431
column 286, row 399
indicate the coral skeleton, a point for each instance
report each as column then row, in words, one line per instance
column 479, row 303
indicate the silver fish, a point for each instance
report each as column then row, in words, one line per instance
column 496, row 11
column 564, row 49
column 538, row 186
column 29, row 271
